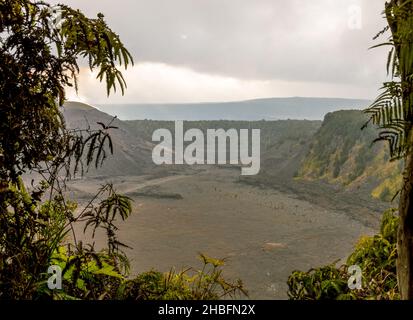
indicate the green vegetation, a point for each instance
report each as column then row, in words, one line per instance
column 392, row 112
column 37, row 223
column 341, row 153
column 376, row 256
column 93, row 276
column 190, row 284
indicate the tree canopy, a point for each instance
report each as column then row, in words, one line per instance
column 42, row 50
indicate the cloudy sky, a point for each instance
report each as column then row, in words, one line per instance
column 225, row 50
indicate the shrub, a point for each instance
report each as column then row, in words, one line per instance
column 95, row 276
column 376, row 257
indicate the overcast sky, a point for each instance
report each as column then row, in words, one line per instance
column 223, row 50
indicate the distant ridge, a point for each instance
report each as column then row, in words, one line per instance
column 258, row 109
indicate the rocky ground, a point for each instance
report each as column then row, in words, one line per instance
column 265, row 232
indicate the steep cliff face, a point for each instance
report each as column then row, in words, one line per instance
column 343, row 154
column 336, row 151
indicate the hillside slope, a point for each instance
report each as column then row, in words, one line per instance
column 335, row 152
column 343, row 154
column 282, row 141
column 132, row 153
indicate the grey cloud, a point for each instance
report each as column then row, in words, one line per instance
column 260, row 39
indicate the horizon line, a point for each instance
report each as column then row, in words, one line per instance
column 228, row 101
